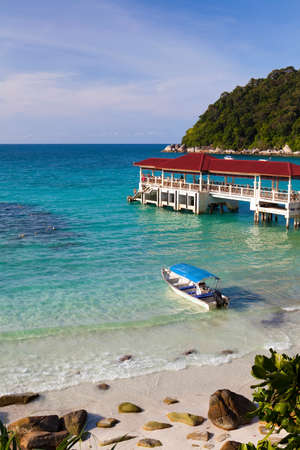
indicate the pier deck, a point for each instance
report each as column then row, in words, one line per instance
column 204, row 192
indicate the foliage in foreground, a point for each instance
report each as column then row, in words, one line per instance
column 278, row 398
column 8, row 440
column 264, row 114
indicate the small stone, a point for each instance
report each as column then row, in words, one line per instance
column 227, row 352
column 115, row 440
column 192, row 351
column 222, row 437
column 195, row 445
column 208, row 446
column 18, row 399
column 170, row 400
column 153, row 425
column 150, row 443
column 128, row 407
column 188, row 419
column 107, row 422
column 125, row 358
column 200, row 436
column 231, row 445
column 103, row 386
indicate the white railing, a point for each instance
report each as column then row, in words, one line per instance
column 230, row 190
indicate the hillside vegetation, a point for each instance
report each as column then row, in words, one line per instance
column 263, row 114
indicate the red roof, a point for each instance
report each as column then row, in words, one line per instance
column 202, row 162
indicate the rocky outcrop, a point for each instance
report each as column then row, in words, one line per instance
column 150, row 443
column 188, row 419
column 42, row 439
column 74, row 421
column 107, row 422
column 231, row 445
column 18, row 399
column 228, row 410
column 153, row 425
column 128, row 407
column 34, row 423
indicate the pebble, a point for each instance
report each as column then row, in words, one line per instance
column 107, row 422
column 222, row 437
column 150, row 443
column 103, row 386
column 170, row 400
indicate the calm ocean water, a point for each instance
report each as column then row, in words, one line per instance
column 80, row 280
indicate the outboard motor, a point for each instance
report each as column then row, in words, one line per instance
column 222, row 302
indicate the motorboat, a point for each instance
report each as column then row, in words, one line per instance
column 228, row 157
column 195, row 284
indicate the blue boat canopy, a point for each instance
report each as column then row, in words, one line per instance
column 192, row 273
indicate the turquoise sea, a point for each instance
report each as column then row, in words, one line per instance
column 80, row 281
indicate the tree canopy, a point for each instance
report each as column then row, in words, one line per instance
column 263, row 114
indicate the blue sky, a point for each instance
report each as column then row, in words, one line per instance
column 132, row 71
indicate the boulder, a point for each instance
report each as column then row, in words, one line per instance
column 42, row 439
column 200, row 436
column 188, row 419
column 227, row 410
column 107, row 422
column 150, row 443
column 74, row 421
column 115, row 440
column 34, row 423
column 18, row 399
column 231, row 445
column 128, row 407
column 103, row 386
column 153, row 425
column 170, row 400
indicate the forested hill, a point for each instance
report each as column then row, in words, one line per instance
column 263, row 114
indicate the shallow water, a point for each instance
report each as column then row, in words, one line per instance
column 80, row 280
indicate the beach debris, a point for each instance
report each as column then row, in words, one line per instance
column 200, row 436
column 108, row 422
column 208, row 445
column 150, row 443
column 153, row 425
column 227, row 410
column 127, row 407
column 34, row 423
column 231, row 445
column 170, row 400
column 125, row 358
column 74, row 421
column 103, row 386
column 188, row 419
column 42, row 439
column 222, row 437
column 18, row 399
column 189, row 352
column 115, row 440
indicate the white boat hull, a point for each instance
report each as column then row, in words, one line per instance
column 208, row 303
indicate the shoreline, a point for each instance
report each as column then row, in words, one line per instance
column 191, row 386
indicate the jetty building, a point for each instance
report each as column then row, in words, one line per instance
column 201, row 183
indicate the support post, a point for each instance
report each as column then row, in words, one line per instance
column 289, row 189
column 162, row 177
column 200, row 181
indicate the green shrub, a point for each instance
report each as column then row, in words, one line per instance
column 278, row 398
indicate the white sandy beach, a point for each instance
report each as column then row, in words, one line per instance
column 192, row 387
